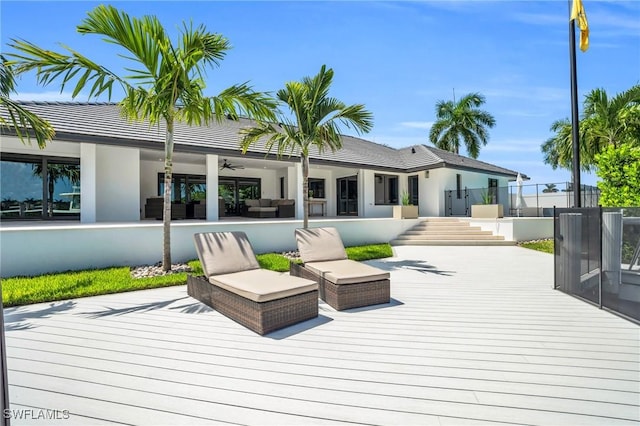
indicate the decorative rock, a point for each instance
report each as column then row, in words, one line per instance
column 291, row 255
column 146, row 271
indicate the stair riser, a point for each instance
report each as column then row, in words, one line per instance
column 451, row 243
column 450, row 237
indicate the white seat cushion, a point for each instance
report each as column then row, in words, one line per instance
column 347, row 271
column 263, row 285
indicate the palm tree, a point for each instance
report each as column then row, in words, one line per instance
column 461, row 122
column 604, row 122
column 558, row 152
column 550, row 187
column 164, row 84
column 316, row 120
column 21, row 119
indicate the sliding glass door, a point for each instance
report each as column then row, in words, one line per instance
column 235, row 191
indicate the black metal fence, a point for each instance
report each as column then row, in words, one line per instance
column 597, row 257
column 536, row 200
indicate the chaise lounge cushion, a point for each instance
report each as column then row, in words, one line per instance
column 262, row 285
column 224, row 252
column 347, row 271
column 320, row 244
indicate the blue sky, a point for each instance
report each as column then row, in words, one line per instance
column 397, row 58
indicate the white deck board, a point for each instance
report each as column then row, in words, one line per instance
column 471, row 344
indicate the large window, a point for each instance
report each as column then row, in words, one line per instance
column 493, row 190
column 186, row 188
column 316, row 188
column 235, row 191
column 36, row 187
column 386, row 189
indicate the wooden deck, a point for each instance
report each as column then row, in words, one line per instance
column 472, row 336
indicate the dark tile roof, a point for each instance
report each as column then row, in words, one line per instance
column 103, row 123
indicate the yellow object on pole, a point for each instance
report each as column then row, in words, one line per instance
column 577, row 13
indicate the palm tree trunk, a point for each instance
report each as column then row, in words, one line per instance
column 305, row 190
column 166, row 213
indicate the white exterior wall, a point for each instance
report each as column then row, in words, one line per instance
column 329, row 191
column 432, row 199
column 88, row 182
column 557, row 199
column 517, row 229
column 54, row 148
column 103, row 245
column 117, row 184
column 371, row 209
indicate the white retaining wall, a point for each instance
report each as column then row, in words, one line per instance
column 37, row 249
column 516, row 228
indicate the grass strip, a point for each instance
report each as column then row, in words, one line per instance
column 74, row 284
column 545, row 246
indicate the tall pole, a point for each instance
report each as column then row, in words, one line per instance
column 575, row 119
column 4, row 382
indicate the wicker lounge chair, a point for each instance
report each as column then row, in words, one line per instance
column 235, row 286
column 343, row 283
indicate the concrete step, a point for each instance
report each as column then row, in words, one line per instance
column 449, row 231
column 445, row 228
column 477, row 231
column 397, row 242
column 443, row 225
column 450, row 237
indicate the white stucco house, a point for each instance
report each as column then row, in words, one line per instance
column 103, row 168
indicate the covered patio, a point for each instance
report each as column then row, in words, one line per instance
column 470, row 338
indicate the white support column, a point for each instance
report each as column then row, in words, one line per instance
column 363, row 200
column 298, row 190
column 212, row 188
column 88, row 174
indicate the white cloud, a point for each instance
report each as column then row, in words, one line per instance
column 516, row 146
column 533, row 93
column 398, row 141
column 417, row 124
column 45, row 97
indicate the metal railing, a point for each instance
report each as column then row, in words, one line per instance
column 597, row 253
column 536, row 200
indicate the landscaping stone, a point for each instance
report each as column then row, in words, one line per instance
column 291, row 255
column 146, row 271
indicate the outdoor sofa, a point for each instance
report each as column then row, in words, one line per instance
column 266, row 207
column 236, row 286
column 343, row 283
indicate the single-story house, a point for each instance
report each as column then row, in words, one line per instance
column 103, row 168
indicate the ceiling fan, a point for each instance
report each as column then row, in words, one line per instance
column 229, row 166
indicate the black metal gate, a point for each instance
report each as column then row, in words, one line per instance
column 596, row 257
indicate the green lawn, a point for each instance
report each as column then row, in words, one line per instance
column 545, row 246
column 70, row 285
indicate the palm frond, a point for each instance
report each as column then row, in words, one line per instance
column 24, row 122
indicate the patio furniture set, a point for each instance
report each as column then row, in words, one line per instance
column 264, row 300
column 266, row 207
column 259, row 208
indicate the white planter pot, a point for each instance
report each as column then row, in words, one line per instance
column 405, row 212
column 487, row 211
